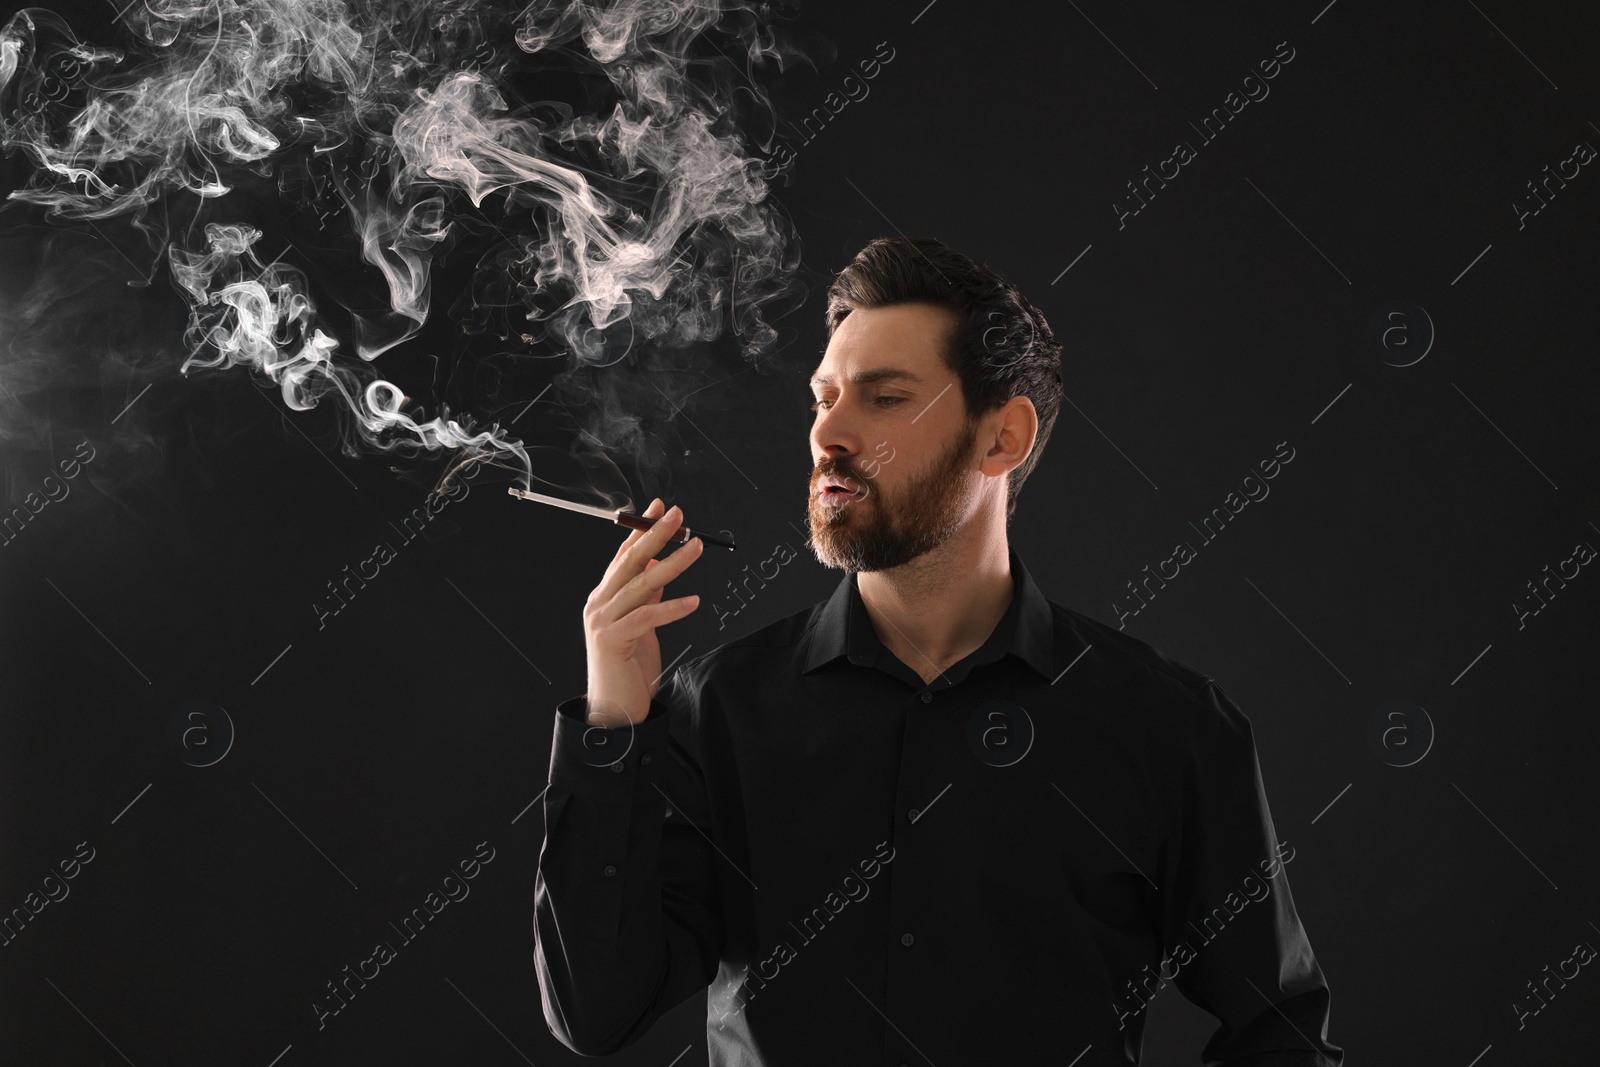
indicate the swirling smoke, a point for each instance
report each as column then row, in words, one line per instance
column 277, row 160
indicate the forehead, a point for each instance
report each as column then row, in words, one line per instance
column 877, row 344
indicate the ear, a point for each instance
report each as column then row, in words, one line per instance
column 1011, row 430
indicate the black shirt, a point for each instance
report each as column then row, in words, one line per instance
column 1000, row 867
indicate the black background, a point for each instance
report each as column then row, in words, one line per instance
column 1229, row 315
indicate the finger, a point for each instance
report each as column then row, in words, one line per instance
column 651, row 512
column 630, row 563
column 625, row 587
column 647, row 587
column 643, row 620
column 654, row 539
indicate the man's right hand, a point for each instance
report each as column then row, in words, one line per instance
column 620, row 619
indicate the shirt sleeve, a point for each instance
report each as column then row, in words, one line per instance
column 1229, row 926
column 626, row 919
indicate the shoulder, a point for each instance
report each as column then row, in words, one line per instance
column 772, row 651
column 1122, row 662
column 1146, row 689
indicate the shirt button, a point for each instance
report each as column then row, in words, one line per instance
column 912, row 814
column 611, row 870
column 616, row 768
column 927, row 697
column 906, row 939
column 644, row 758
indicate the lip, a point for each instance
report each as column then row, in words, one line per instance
column 835, row 499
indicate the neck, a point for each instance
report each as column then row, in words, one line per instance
column 942, row 606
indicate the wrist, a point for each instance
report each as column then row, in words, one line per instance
column 606, row 714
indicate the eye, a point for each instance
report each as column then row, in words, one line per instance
column 886, row 401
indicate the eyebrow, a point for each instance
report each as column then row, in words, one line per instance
column 866, row 377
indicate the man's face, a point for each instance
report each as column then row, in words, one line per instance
column 901, row 440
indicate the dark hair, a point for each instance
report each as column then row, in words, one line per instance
column 1002, row 348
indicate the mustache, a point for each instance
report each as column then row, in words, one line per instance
column 861, row 483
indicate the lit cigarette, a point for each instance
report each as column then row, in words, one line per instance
column 623, row 518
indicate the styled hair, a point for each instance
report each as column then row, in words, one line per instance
column 1002, row 348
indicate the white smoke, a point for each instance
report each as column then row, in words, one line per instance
column 639, row 224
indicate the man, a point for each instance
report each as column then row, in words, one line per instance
column 936, row 818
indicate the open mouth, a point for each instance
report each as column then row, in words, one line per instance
column 838, row 495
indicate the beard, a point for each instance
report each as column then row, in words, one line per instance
column 883, row 530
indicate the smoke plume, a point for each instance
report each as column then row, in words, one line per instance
column 595, row 176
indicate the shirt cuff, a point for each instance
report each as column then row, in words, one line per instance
column 602, row 803
column 597, row 762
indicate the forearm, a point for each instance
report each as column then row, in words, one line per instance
column 610, row 958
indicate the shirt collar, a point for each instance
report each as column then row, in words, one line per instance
column 1026, row 630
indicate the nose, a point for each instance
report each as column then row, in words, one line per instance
column 832, row 435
